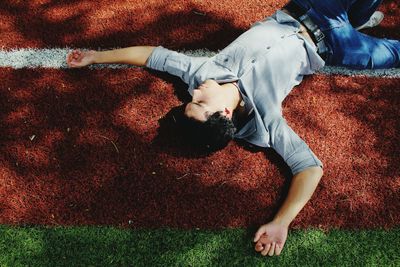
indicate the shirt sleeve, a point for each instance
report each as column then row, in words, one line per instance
column 175, row 63
column 294, row 151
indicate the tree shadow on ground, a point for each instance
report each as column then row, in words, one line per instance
column 177, row 25
column 75, row 23
column 97, row 157
column 89, row 165
column 94, row 152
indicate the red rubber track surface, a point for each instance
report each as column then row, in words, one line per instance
column 177, row 24
column 85, row 147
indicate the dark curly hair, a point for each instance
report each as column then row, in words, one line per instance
column 212, row 134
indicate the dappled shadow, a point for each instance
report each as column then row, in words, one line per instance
column 178, row 24
column 374, row 103
column 84, row 153
column 84, row 147
column 359, row 118
column 78, row 24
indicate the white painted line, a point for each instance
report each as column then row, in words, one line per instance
column 387, row 73
column 55, row 58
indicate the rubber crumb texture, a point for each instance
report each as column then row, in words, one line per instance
column 96, row 147
column 178, row 24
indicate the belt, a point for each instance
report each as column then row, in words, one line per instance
column 317, row 36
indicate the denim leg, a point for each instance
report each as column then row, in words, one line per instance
column 361, row 10
column 327, row 14
column 330, row 13
column 359, row 51
column 349, row 47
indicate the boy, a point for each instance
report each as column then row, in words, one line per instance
column 238, row 93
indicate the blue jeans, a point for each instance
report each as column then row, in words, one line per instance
column 348, row 47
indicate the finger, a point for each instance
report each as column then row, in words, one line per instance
column 278, row 249
column 73, row 64
column 259, row 247
column 69, row 61
column 70, row 54
column 272, row 250
column 258, row 234
column 80, row 56
column 77, row 54
column 266, row 249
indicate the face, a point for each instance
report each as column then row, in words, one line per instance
column 207, row 99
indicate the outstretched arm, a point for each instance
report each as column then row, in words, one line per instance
column 135, row 55
column 270, row 238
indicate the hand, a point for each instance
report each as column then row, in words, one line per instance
column 78, row 59
column 270, row 238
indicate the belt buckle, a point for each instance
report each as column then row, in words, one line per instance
column 319, row 35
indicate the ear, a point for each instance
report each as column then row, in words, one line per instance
column 227, row 113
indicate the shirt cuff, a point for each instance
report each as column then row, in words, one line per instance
column 157, row 59
column 300, row 161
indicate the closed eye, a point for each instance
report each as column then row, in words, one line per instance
column 197, row 104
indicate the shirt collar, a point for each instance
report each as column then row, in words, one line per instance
column 248, row 127
column 284, row 18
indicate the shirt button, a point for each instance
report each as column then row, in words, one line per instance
column 283, row 36
column 253, row 61
column 268, row 47
column 226, row 60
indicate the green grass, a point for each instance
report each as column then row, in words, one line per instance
column 106, row 246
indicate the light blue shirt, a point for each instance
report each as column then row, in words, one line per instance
column 267, row 61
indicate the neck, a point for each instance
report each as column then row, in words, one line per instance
column 234, row 97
